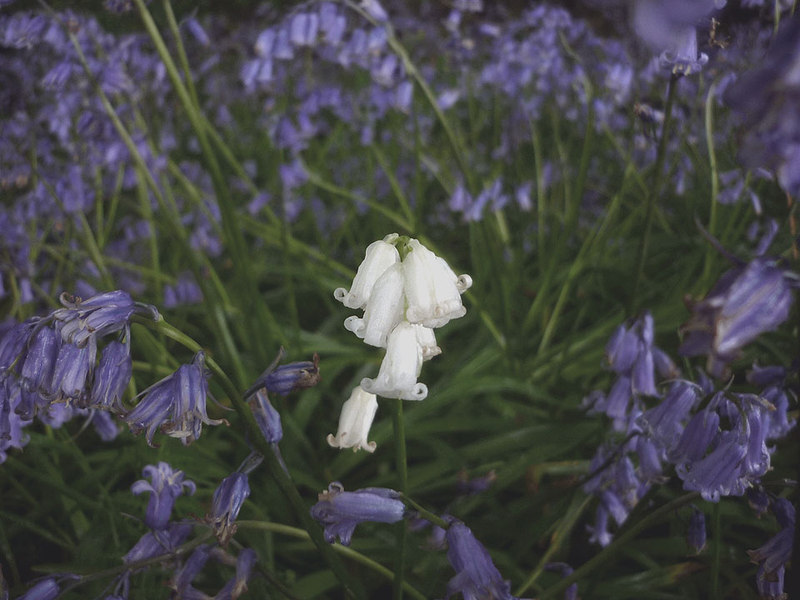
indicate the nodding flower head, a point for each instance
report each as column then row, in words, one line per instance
column 226, row 504
column 340, row 512
column 176, row 405
column 355, row 420
column 83, row 321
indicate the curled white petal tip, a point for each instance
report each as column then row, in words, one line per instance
column 418, row 392
column 340, row 294
column 335, row 442
column 463, row 283
column 355, row 325
column 391, row 238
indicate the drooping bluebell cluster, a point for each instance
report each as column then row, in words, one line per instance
column 765, row 99
column 716, row 439
column 49, row 367
column 166, row 536
column 772, row 557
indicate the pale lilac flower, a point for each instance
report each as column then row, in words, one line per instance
column 46, row 589
column 165, row 486
column 340, row 511
column 773, row 555
column 355, row 421
column 181, row 581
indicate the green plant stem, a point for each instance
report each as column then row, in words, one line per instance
column 716, row 552
column 343, row 550
column 654, row 191
column 398, row 426
column 611, row 550
column 712, row 162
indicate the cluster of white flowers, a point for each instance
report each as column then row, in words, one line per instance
column 404, row 300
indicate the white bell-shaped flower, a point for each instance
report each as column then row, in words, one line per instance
column 356, row 417
column 384, row 309
column 433, row 291
column 400, row 368
column 380, row 256
column 427, row 342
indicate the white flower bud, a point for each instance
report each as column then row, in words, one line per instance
column 384, row 309
column 400, row 368
column 354, row 422
column 380, row 256
column 433, row 290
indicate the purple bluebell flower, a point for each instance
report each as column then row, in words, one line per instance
column 267, row 418
column 284, row 379
column 226, row 504
column 11, row 422
column 111, row 377
column 237, row 586
column 340, row 511
column 773, row 556
column 184, row 291
column 158, row 543
column 571, row 593
column 72, row 369
column 664, row 423
column 40, row 360
column 476, row 576
column 764, row 99
column 46, row 589
column 103, row 423
column 181, row 581
column 83, row 320
column 165, row 486
column 745, row 302
column 669, row 28
column 176, row 405
column 719, row 473
column 696, row 534
column 13, row 346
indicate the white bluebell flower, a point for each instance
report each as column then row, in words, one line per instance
column 400, row 368
column 355, row 421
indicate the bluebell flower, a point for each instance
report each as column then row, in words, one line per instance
column 476, row 576
column 664, row 423
column 267, row 418
column 226, row 504
column 81, row 321
column 181, row 581
column 13, row 346
column 571, row 593
column 158, row 543
column 764, row 99
column 111, row 377
column 773, row 556
column 340, row 511
column 165, row 485
column 176, row 405
column 696, row 534
column 46, row 589
column 184, row 291
column 235, row 587
column 283, row 379
column 719, row 473
column 40, row 361
column 71, row 372
column 746, row 302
